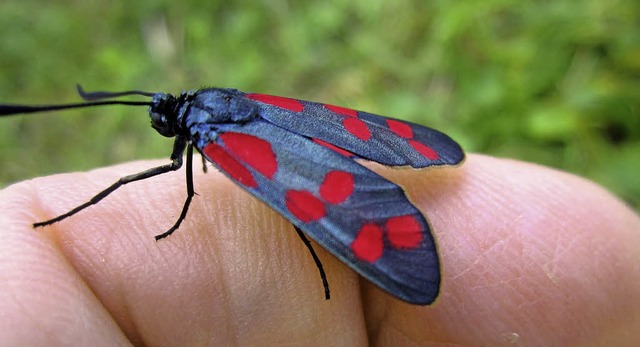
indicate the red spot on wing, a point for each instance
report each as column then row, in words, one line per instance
column 304, row 206
column 368, row 244
column 426, row 151
column 342, row 110
column 333, row 147
column 357, row 128
column 337, row 186
column 279, row 101
column 399, row 128
column 253, row 151
column 230, row 165
column 404, row 231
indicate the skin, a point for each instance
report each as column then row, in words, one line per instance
column 530, row 257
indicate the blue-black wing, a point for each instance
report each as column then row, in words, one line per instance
column 357, row 215
column 384, row 140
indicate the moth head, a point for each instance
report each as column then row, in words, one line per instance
column 163, row 112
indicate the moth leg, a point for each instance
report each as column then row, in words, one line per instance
column 323, row 275
column 176, row 162
column 204, row 164
column 190, row 194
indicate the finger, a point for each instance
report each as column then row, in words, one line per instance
column 43, row 301
column 235, row 271
column 529, row 255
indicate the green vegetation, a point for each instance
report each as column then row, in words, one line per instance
column 551, row 82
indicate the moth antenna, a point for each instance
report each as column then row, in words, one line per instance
column 101, row 95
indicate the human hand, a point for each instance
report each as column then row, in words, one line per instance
column 530, row 257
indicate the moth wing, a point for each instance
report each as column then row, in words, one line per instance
column 360, row 217
column 360, row 134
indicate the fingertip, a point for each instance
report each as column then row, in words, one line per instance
column 524, row 248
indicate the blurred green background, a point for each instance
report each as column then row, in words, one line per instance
column 551, row 82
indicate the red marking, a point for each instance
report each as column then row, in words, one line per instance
column 252, row 150
column 333, row 147
column 399, row 128
column 424, row 150
column 404, row 231
column 342, row 110
column 279, row 101
column 336, row 187
column 230, row 165
column 306, row 207
column 368, row 243
column 357, row 128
